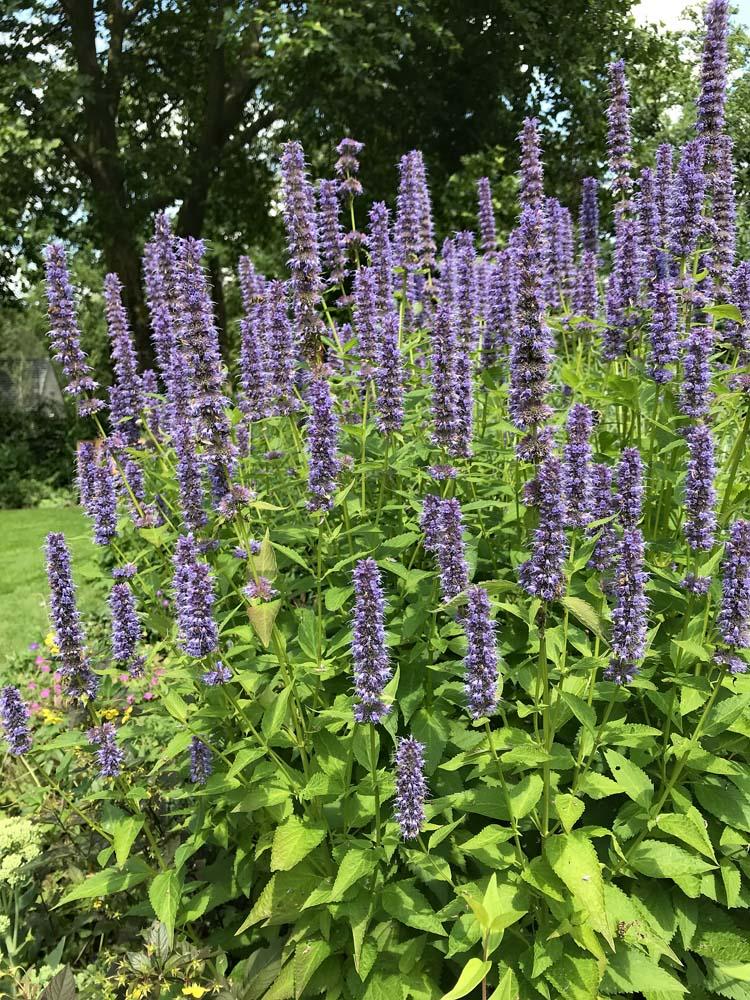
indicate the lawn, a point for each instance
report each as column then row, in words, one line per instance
column 23, row 581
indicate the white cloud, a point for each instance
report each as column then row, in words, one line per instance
column 667, row 12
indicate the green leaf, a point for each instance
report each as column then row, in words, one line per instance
column 262, row 618
column 658, row 859
column 294, row 556
column 689, row 828
column 569, row 809
column 634, row 782
column 175, row 704
column 355, row 865
column 630, row 971
column 431, row 729
column 507, row 988
column 598, row 786
column 490, row 846
column 581, row 709
column 308, row 956
column 722, row 800
column 275, row 713
column 724, row 713
column 293, row 841
column 164, row 894
column 471, row 976
column 574, row 860
column 406, row 903
column 724, row 311
column 109, row 881
column 124, row 831
column 585, row 614
column 61, row 987
column 336, row 597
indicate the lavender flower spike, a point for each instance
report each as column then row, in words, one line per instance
column 322, row 445
column 629, row 496
column 603, row 507
column 381, row 255
column 486, row 216
column 160, row 279
column 689, row 190
column 695, row 394
column 372, row 669
column 451, row 552
column 531, row 175
column 542, row 575
column 429, row 522
column 126, row 628
column 104, row 501
column 389, row 376
column 194, row 599
column 304, row 255
column 733, row 620
column 577, row 466
column 14, row 718
column 480, row 674
column 630, row 614
column 201, row 761
column 332, row 246
column 589, row 217
column 411, row 787
column 663, row 341
column 713, row 93
column 618, row 133
column 700, row 495
column 126, row 395
column 65, row 336
column 74, row 667
column 109, row 756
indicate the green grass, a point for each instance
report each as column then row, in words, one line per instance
column 23, row 580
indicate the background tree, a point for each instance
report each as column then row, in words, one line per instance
column 113, row 109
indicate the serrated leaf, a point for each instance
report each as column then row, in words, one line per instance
column 164, row 894
column 598, row 786
column 262, row 618
column 109, row 881
column 581, row 709
column 471, row 976
column 659, row 859
column 689, row 828
column 404, row 902
column 507, row 988
column 630, row 971
column 293, row 841
column 574, row 860
column 61, row 987
column 634, row 782
column 570, row 809
column 308, row 956
column 355, row 865
column 585, row 614
column 124, row 832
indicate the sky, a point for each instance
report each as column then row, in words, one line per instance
column 670, row 12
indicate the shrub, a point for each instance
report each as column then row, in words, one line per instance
column 446, row 604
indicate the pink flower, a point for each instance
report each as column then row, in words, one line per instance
column 35, row 706
column 32, row 685
column 148, row 695
column 130, row 699
column 39, row 660
column 124, row 678
column 58, row 689
column 45, row 668
column 44, row 693
column 153, row 682
column 33, row 645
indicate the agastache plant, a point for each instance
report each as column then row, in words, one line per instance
column 372, row 669
column 75, row 667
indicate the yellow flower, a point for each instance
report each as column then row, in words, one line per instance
column 50, row 717
column 193, row 990
column 110, row 713
column 127, row 713
column 50, row 641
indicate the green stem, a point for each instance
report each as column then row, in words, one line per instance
column 375, row 786
column 506, row 794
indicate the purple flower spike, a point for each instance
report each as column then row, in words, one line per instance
column 201, row 761
column 577, row 466
column 126, row 628
column 14, row 718
column 486, row 216
column 603, row 506
column 429, row 522
column 713, row 93
column 542, row 575
column 282, row 351
column 218, row 675
column 531, row 175
column 372, row 669
column 365, row 316
column 389, row 376
column 618, row 133
column 194, row 599
column 629, row 498
column 381, row 255
column 86, row 474
column 126, row 395
column 445, row 406
column 255, row 355
column 109, row 755
column 589, row 217
column 688, row 196
column 347, row 166
column 480, row 675
column 104, row 501
column 411, row 787
column 322, row 445
column 304, row 256
column 65, row 336
column 630, row 614
column 160, row 279
column 663, row 341
column 648, row 221
column 623, row 288
column 700, row 495
column 733, row 620
column 451, row 552
column 332, row 245
column 66, row 622
column 720, row 260
column 695, row 395
column 664, row 167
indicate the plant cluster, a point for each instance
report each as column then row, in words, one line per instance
column 446, row 591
